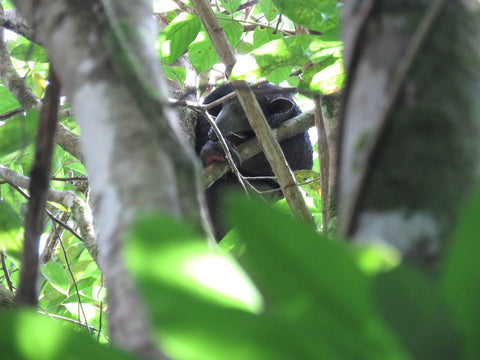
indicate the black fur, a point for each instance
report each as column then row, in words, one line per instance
column 234, row 126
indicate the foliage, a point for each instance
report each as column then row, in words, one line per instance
column 266, row 41
column 292, row 294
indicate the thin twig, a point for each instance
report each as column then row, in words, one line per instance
column 77, row 292
column 5, row 272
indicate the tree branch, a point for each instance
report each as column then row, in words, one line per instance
column 12, row 21
column 81, row 212
column 324, row 156
column 10, row 78
column 27, row 293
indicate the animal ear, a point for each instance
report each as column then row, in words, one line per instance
column 280, row 105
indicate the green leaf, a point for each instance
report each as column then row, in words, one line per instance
column 18, row 132
column 244, row 47
column 279, row 75
column 461, row 277
column 202, row 52
column 175, row 73
column 186, row 261
column 269, row 9
column 319, row 15
column 30, row 52
column 57, row 275
column 176, row 37
column 413, row 306
column 233, row 30
column 262, row 35
column 7, row 101
column 202, row 55
column 10, row 225
column 230, row 5
column 29, row 336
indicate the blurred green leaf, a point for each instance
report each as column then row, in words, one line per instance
column 10, row 224
column 414, row 307
column 175, row 73
column 25, row 335
column 461, row 277
column 18, row 132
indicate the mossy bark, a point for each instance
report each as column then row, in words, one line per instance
column 413, row 162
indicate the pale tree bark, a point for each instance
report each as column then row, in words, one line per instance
column 327, row 108
column 103, row 53
column 410, row 141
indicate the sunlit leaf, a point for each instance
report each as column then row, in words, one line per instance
column 202, row 55
column 7, row 101
column 269, row 9
column 97, row 293
column 287, row 52
column 177, row 36
column 30, row 52
column 57, row 275
column 262, row 35
column 319, row 15
column 85, row 312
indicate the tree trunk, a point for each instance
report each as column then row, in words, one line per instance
column 409, row 142
column 104, row 55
